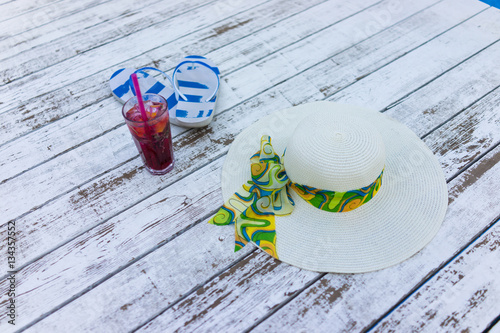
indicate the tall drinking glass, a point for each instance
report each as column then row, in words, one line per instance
column 152, row 136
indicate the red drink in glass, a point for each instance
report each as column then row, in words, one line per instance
column 152, row 137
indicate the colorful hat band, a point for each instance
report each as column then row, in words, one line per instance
column 253, row 207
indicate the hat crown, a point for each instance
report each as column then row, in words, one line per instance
column 335, row 151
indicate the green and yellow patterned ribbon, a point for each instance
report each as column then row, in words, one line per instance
column 253, row 207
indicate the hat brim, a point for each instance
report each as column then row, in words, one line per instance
column 398, row 222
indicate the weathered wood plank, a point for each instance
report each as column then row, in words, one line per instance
column 110, row 189
column 58, row 138
column 473, row 131
column 221, row 292
column 83, row 208
column 353, row 64
column 120, row 15
column 63, row 136
column 90, row 153
column 41, row 16
column 488, row 107
column 51, row 106
column 245, row 85
column 349, row 67
column 116, row 47
column 114, row 156
column 291, row 62
column 16, row 8
column 387, row 287
column 464, row 296
column 3, row 2
column 151, row 222
column 335, row 302
column 418, row 64
column 102, row 24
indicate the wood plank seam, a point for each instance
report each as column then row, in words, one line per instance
column 29, row 11
column 327, row 27
column 406, row 96
column 433, row 273
column 52, row 20
column 277, row 308
column 126, row 35
column 196, row 169
column 460, row 112
column 6, row 2
column 120, row 125
column 321, row 275
column 468, row 165
column 403, row 98
column 110, row 95
column 65, row 30
column 110, row 217
column 64, row 152
column 53, row 199
column 99, row 100
column 128, row 264
column 492, row 324
column 58, row 18
column 221, row 112
column 269, row 55
column 197, row 287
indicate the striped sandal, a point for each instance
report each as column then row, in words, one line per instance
column 196, row 82
column 122, row 88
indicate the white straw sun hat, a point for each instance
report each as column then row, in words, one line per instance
column 336, row 147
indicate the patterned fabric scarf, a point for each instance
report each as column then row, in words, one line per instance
column 253, row 207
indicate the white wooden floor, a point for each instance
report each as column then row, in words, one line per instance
column 103, row 246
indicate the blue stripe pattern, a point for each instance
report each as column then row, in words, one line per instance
column 192, row 99
column 493, row 3
column 123, row 89
column 158, row 86
column 171, row 101
column 116, row 73
column 183, row 113
column 191, row 84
